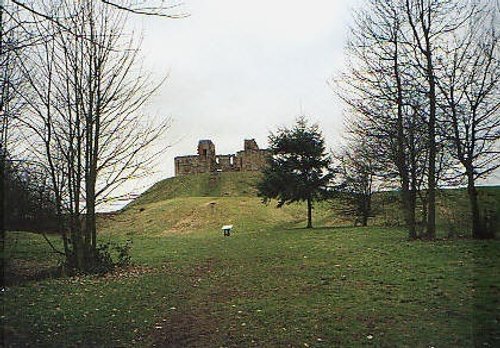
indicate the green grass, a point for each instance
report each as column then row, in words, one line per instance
column 276, row 287
column 185, row 191
column 240, row 184
column 208, row 214
column 272, row 283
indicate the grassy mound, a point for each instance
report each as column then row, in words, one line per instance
column 208, row 201
column 192, row 214
column 205, row 202
column 202, row 185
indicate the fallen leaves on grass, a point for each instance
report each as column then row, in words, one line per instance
column 121, row 273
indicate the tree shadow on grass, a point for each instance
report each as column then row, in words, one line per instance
column 320, row 228
column 17, row 274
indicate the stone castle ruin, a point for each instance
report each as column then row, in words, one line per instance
column 250, row 159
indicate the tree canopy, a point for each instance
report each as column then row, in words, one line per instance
column 298, row 166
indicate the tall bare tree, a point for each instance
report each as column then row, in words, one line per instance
column 379, row 89
column 86, row 125
column 431, row 23
column 159, row 8
column 11, row 83
column 420, row 82
column 470, row 86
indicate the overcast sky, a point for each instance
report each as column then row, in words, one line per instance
column 239, row 69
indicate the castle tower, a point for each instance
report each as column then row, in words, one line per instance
column 206, row 149
column 206, row 156
column 250, row 145
column 252, row 159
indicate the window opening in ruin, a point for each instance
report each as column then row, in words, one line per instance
column 231, row 160
column 205, row 152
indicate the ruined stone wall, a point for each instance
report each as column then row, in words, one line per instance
column 250, row 145
column 226, row 163
column 251, row 159
column 185, row 165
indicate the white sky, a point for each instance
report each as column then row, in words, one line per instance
column 239, row 69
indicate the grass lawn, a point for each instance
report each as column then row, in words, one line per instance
column 265, row 286
column 271, row 284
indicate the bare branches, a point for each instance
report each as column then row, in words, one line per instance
column 159, row 10
column 423, row 84
column 47, row 16
column 148, row 8
column 87, row 113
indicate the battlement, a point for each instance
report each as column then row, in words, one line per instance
column 250, row 159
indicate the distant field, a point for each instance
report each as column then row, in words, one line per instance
column 272, row 283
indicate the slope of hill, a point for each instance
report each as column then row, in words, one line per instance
column 208, row 214
column 201, row 185
column 205, row 202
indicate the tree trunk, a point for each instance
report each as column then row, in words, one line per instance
column 412, row 214
column 309, row 213
column 409, row 213
column 423, row 199
column 401, row 160
column 364, row 222
column 3, row 155
column 2, row 217
column 366, row 210
column 61, row 225
column 478, row 231
column 90, row 220
column 431, row 183
column 431, row 199
column 90, row 230
column 78, row 256
column 425, row 46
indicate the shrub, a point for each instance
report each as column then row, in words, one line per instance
column 106, row 258
column 124, row 257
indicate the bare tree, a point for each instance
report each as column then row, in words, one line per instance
column 470, row 86
column 20, row 24
column 11, row 84
column 160, row 8
column 417, row 91
column 431, row 23
column 356, row 170
column 379, row 89
column 86, row 105
column 12, row 40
